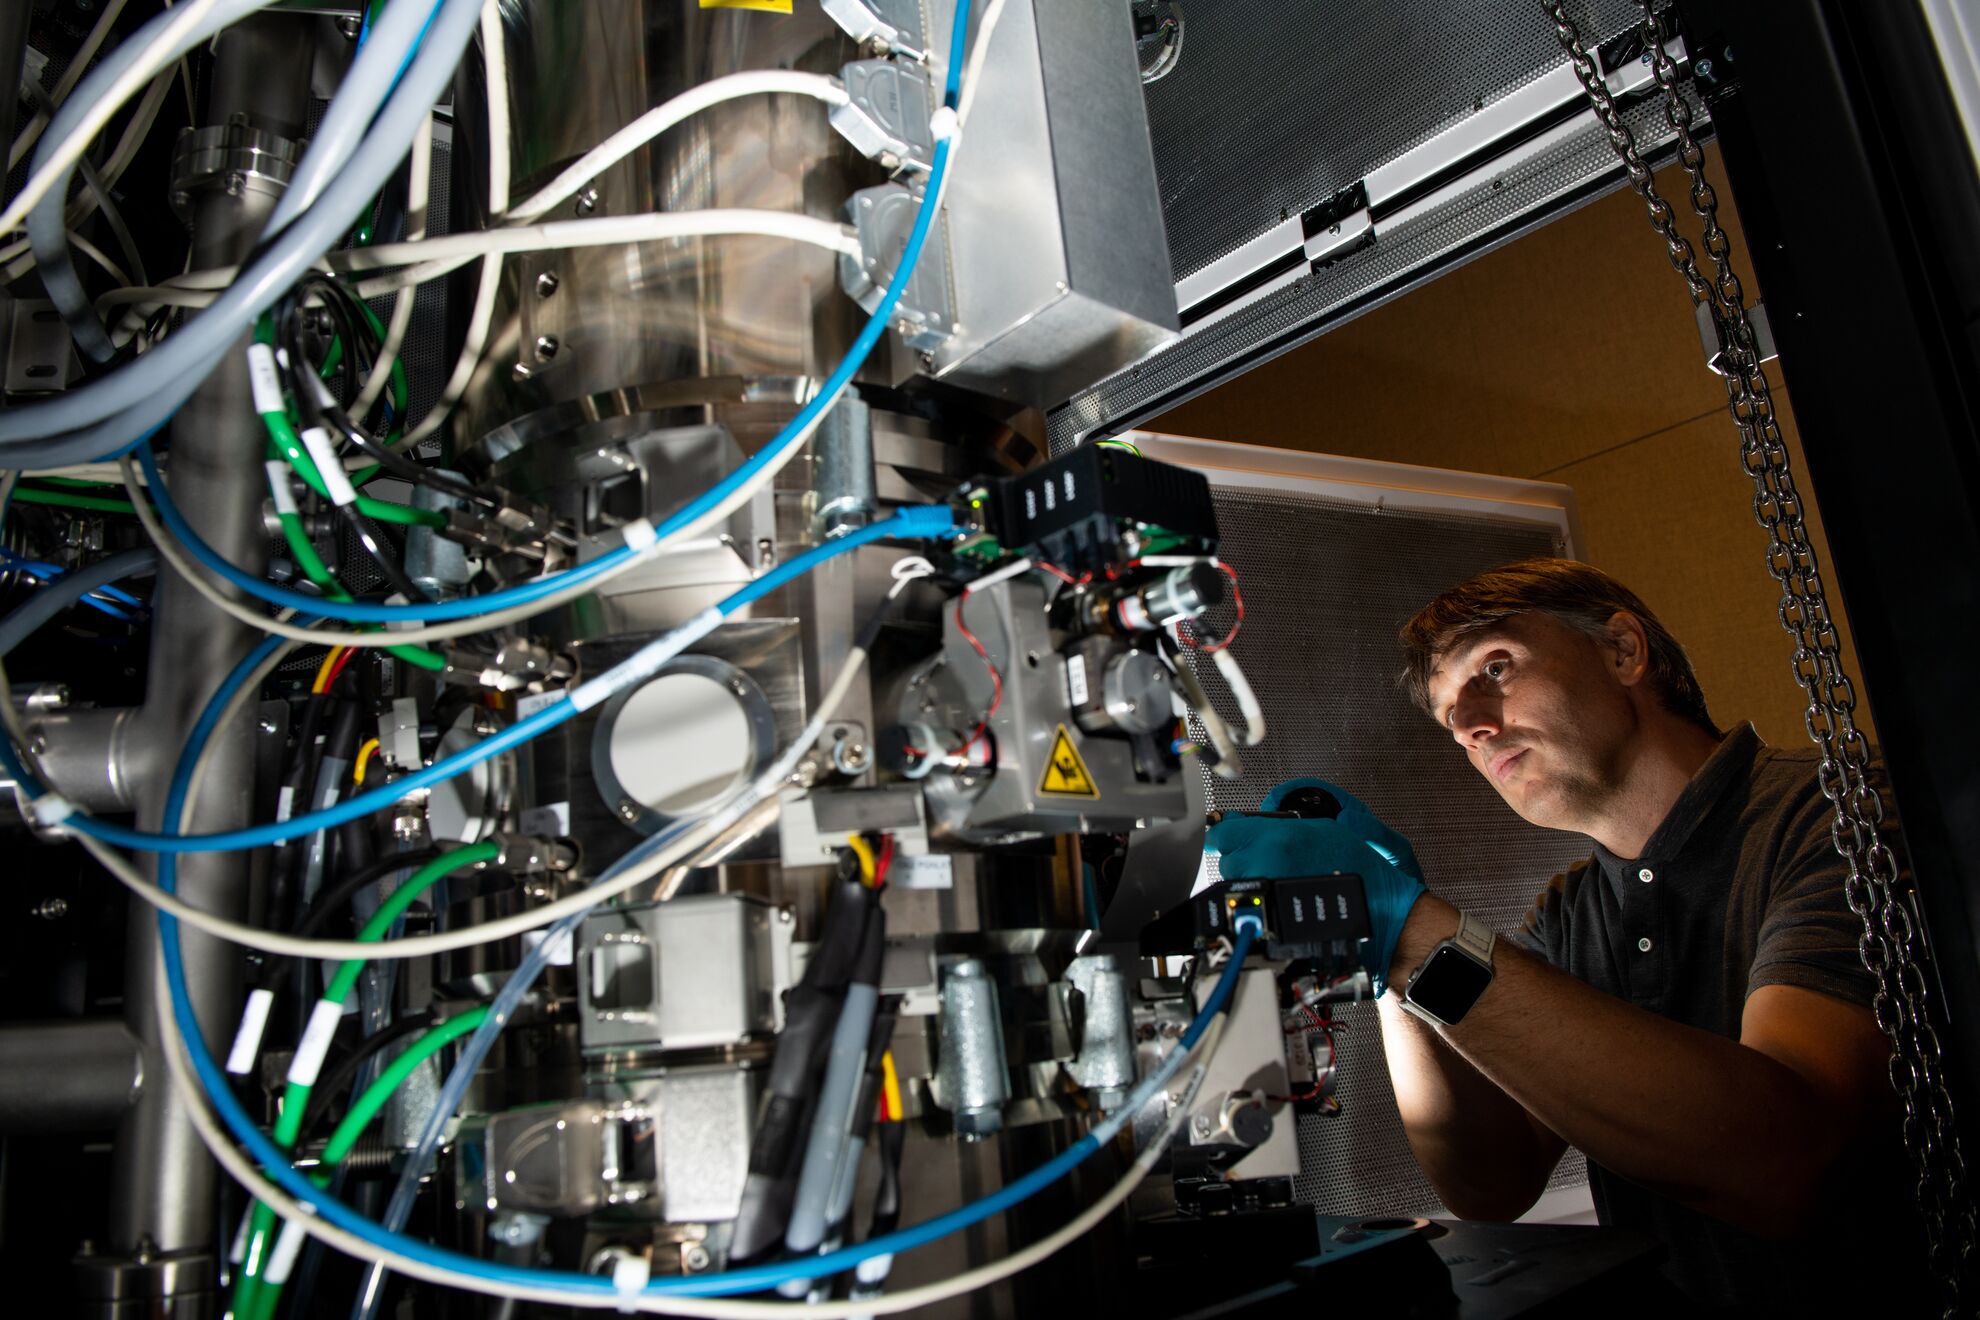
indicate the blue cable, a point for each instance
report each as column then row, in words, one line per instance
column 912, row 523
column 528, row 592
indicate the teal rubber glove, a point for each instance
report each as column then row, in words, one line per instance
column 1259, row 848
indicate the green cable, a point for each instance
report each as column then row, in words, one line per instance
column 319, row 573
column 250, row 1289
column 365, row 1108
column 67, row 500
column 287, row 445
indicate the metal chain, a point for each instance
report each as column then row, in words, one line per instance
column 1890, row 945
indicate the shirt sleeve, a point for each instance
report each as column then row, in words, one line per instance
column 1808, row 935
column 1543, row 930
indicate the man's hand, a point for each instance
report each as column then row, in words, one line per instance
column 1255, row 848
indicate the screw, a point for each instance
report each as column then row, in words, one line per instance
column 546, row 347
column 1200, row 1125
column 350, row 27
column 785, row 916
column 766, row 553
column 522, row 371
column 628, row 809
column 236, row 183
column 51, row 909
column 1704, row 68
column 546, row 284
column 266, row 726
column 695, row 1258
column 587, row 201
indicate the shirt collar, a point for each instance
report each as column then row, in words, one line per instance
column 1722, row 769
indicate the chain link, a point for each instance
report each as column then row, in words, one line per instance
column 1889, row 944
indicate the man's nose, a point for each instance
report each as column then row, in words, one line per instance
column 1474, row 718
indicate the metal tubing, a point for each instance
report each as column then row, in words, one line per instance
column 93, row 756
column 163, row 1184
column 67, row 1076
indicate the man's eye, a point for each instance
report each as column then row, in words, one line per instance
column 1496, row 670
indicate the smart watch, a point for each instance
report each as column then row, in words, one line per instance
column 1455, row 974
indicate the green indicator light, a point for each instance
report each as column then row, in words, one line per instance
column 1258, row 902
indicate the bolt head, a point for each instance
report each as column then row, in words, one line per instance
column 587, row 201
column 546, row 284
column 1200, row 1125
column 236, row 183
column 350, row 26
column 695, row 1258
column 546, row 347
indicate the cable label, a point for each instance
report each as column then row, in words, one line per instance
column 247, row 1039
column 278, row 487
column 315, row 1043
column 283, row 1258
column 265, row 381
column 641, row 535
column 336, row 482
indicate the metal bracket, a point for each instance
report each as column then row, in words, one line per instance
column 1712, row 336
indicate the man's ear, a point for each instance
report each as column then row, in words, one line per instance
column 1629, row 648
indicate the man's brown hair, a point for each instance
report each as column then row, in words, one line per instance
column 1580, row 596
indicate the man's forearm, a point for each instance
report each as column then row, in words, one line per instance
column 1478, row 1148
column 1700, row 1118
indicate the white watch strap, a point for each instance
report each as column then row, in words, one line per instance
column 1475, row 937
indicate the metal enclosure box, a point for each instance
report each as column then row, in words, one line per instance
column 1059, row 260
column 707, row 970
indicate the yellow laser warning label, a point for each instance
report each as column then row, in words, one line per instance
column 1065, row 772
column 767, row 6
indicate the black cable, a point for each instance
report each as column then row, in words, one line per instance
column 332, row 901
column 381, row 554
column 335, row 1083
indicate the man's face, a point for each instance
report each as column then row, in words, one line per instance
column 1540, row 711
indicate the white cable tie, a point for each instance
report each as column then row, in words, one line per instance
column 336, row 481
column 1176, row 561
column 278, row 487
column 283, row 1259
column 630, row 1274
column 247, row 1038
column 944, row 126
column 645, row 662
column 641, row 535
column 51, row 809
column 264, row 380
column 315, row 1042
column 874, row 1269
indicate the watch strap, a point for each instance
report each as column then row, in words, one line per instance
column 1475, row 937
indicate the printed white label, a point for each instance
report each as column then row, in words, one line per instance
column 315, row 1043
column 247, row 1040
column 263, row 380
column 1076, row 679
column 927, row 871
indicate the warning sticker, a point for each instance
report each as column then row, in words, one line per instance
column 1065, row 772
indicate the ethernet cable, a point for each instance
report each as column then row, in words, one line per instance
column 915, row 522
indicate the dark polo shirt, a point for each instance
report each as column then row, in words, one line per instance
column 1739, row 888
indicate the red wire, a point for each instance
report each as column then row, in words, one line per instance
column 883, row 861
column 337, row 667
column 1237, row 602
column 996, row 679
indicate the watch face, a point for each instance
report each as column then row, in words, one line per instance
column 1449, row 984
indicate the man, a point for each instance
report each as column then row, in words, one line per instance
column 1686, row 1007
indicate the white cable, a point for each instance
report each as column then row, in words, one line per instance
column 1247, row 700
column 419, row 187
column 661, row 118
column 86, row 52
column 243, row 1171
column 97, row 255
column 603, row 231
column 495, row 60
column 761, row 794
column 979, row 53
column 59, row 164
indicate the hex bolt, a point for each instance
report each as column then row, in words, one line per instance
column 546, row 347
column 587, row 201
column 546, row 284
column 51, row 909
column 1200, row 1125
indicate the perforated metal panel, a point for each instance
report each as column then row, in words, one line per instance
column 1326, row 586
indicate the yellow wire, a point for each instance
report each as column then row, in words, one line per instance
column 322, row 683
column 364, row 758
column 868, row 864
column 890, row 1086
